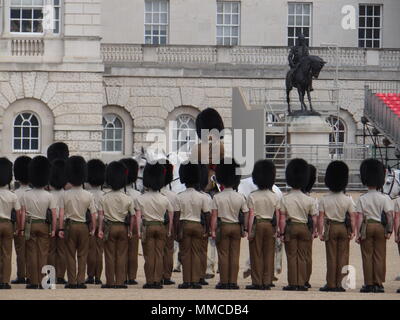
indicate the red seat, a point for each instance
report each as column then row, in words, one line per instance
column 380, row 94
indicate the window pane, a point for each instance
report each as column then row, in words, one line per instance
column 235, row 7
column 17, row 144
column 118, row 146
column 235, row 31
column 306, row 32
column 306, row 20
column 306, row 8
column 163, row 40
column 299, row 8
column 37, row 14
column 109, row 146
column 25, row 144
column 376, row 33
column 27, row 14
column 26, row 132
column 37, row 26
column 34, row 132
column 377, row 22
column 149, row 18
column 26, row 26
column 369, row 22
column 18, row 121
column 291, row 20
column 17, row 132
column 377, row 10
column 235, row 41
column 15, row 13
column 298, row 20
column 368, row 44
column 291, row 8
column 227, row 19
column 370, row 10
column 118, row 134
column 219, row 32
column 362, row 10
column 164, row 17
column 376, row 44
column 35, row 144
column 291, row 32
column 361, row 33
column 369, row 33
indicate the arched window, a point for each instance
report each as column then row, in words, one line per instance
column 338, row 136
column 113, row 133
column 26, row 133
column 184, row 133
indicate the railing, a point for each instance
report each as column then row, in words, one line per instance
column 243, row 55
column 27, row 47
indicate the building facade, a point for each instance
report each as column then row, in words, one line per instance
column 105, row 75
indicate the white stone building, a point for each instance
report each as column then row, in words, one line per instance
column 99, row 74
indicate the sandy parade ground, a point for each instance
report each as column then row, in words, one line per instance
column 210, row 293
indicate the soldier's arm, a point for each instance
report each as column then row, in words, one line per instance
column 282, row 222
column 359, row 217
column 214, row 216
column 250, row 222
column 171, row 222
column 138, row 222
column 101, row 223
column 53, row 222
column 321, row 218
column 22, row 220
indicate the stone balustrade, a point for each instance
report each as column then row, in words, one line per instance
column 27, row 47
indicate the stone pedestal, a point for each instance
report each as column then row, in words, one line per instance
column 309, row 138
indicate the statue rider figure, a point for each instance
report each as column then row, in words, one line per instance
column 297, row 52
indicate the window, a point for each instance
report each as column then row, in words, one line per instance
column 299, row 22
column 26, row 133
column 228, row 23
column 156, row 21
column 369, row 26
column 184, row 134
column 27, row 16
column 338, row 136
column 113, row 130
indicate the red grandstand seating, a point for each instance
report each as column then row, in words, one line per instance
column 391, row 100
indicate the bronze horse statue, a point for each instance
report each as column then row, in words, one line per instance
column 301, row 78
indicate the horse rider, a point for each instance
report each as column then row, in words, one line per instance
column 296, row 53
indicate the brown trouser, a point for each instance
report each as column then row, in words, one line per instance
column 229, row 252
column 6, row 237
column 77, row 244
column 262, row 254
column 153, row 250
column 373, row 251
column 337, row 254
column 95, row 257
column 116, row 252
column 309, row 260
column 297, row 250
column 168, row 258
column 191, row 248
column 37, row 251
column 203, row 256
column 57, row 255
column 133, row 252
column 20, row 252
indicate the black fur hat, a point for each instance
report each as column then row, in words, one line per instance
column 203, row 176
column 96, row 170
column 154, row 176
column 312, row 177
column 169, row 174
column 116, row 175
column 39, row 172
column 372, row 173
column 58, row 176
column 6, row 169
column 21, row 173
column 337, row 176
column 209, row 119
column 226, row 173
column 263, row 175
column 189, row 174
column 133, row 169
column 58, row 150
column 297, row 173
column 76, row 168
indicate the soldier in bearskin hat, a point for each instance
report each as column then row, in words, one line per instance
column 35, row 223
column 58, row 150
column 375, row 225
column 336, row 212
column 295, row 209
column 264, row 207
column 8, row 203
column 22, row 180
column 227, row 207
column 79, row 207
column 95, row 181
column 192, row 205
column 133, row 242
column 151, row 207
column 117, row 214
column 169, row 247
column 57, row 253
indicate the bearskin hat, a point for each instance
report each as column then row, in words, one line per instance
column 58, row 176
column 209, row 119
column 76, row 169
column 263, row 175
column 116, row 175
column 96, row 170
column 21, row 173
column 203, row 176
column 312, row 177
column 133, row 169
column 58, row 150
column 226, row 173
column 372, row 173
column 297, row 173
column 337, row 176
column 39, row 172
column 154, row 176
column 169, row 174
column 6, row 169
column 189, row 174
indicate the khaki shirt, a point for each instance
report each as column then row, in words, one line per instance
column 97, row 195
column 191, row 204
column 229, row 203
column 132, row 193
column 8, row 201
column 153, row 206
column 21, row 190
column 36, row 202
column 76, row 202
column 58, row 197
column 396, row 204
column 264, row 203
column 298, row 206
column 116, row 205
column 172, row 197
column 373, row 203
column 335, row 205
